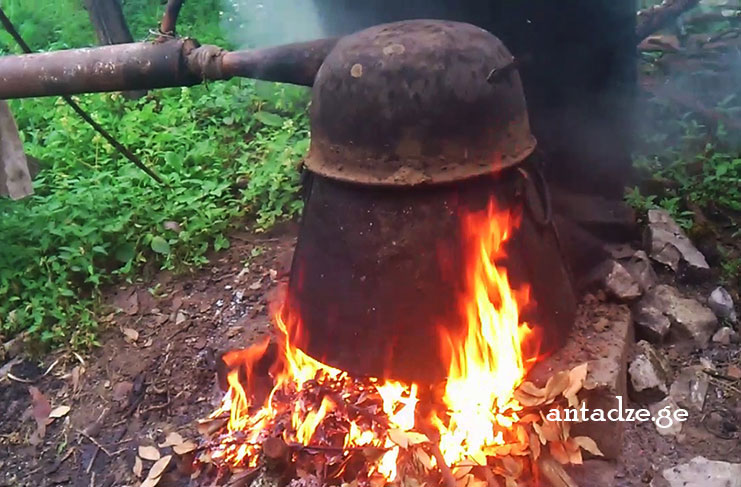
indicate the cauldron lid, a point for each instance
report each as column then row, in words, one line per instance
column 413, row 102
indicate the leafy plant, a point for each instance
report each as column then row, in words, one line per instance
column 95, row 218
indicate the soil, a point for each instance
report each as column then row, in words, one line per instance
column 134, row 390
column 129, row 392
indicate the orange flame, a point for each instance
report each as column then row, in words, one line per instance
column 486, row 364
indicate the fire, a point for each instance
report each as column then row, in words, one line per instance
column 314, row 405
column 486, row 365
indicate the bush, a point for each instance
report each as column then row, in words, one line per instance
column 95, row 218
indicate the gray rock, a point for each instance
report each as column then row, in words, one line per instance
column 668, row 244
column 651, row 324
column 687, row 316
column 639, row 266
column 619, row 283
column 721, row 302
column 649, row 374
column 701, row 472
column 666, row 427
column 725, row 336
column 690, row 388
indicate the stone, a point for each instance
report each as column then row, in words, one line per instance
column 668, row 244
column 688, row 317
column 606, row 353
column 651, row 324
column 639, row 266
column 666, row 427
column 703, row 472
column 619, row 283
column 724, row 336
column 721, row 302
column 649, row 374
column 690, row 388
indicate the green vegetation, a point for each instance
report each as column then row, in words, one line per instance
column 689, row 155
column 95, row 218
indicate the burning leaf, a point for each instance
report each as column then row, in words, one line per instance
column 588, row 444
column 461, row 472
column 529, row 395
column 513, row 466
column 574, row 452
column 172, row 439
column 185, row 447
column 138, row 467
column 534, row 446
column 548, row 431
column 131, row 334
column 59, row 412
column 207, row 427
column 558, row 452
column 149, row 453
column 423, row 458
column 405, row 439
column 465, row 480
column 577, row 376
column 556, row 385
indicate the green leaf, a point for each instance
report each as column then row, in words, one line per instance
column 160, row 245
column 269, row 119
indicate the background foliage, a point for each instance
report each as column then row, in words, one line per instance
column 228, row 153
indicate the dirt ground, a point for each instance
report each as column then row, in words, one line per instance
column 134, row 392
column 155, row 374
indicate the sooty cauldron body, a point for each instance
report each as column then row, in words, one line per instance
column 413, row 124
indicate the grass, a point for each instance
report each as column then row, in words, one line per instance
column 95, row 219
column 692, row 168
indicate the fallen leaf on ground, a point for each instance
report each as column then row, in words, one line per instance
column 156, row 471
column 185, row 447
column 577, row 376
column 172, row 439
column 75, row 376
column 40, row 410
column 59, row 412
column 180, row 318
column 149, row 453
column 734, row 372
column 138, row 467
column 556, row 385
column 588, row 444
column 131, row 334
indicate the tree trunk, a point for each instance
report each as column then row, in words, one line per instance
column 110, row 27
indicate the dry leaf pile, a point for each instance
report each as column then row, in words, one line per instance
column 533, row 446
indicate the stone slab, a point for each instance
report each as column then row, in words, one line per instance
column 602, row 336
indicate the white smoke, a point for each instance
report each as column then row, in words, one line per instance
column 260, row 23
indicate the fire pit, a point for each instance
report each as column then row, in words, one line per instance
column 426, row 281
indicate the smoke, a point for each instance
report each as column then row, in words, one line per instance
column 260, row 23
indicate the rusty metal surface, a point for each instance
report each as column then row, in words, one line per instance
column 109, row 68
column 409, row 103
column 378, row 270
column 295, row 63
column 177, row 62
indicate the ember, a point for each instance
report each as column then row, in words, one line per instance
column 373, row 431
